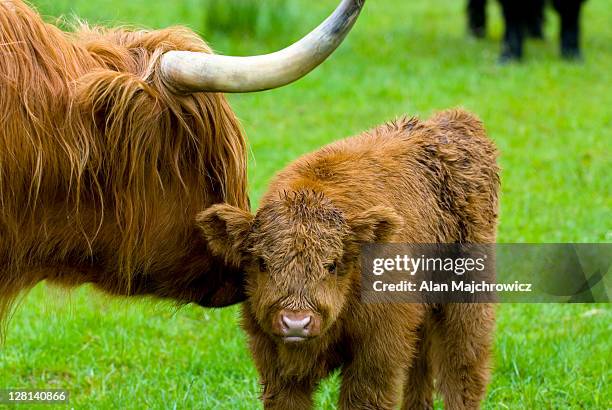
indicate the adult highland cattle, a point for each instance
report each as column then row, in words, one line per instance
column 111, row 141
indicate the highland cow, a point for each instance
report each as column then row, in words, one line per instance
column 112, row 140
column 408, row 181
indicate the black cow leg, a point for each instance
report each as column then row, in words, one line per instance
column 512, row 47
column 569, row 12
column 535, row 19
column 477, row 18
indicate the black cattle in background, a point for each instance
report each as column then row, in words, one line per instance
column 477, row 18
column 525, row 18
column 522, row 16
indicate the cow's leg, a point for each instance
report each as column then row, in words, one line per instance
column 535, row 19
column 418, row 387
column 512, row 46
column 477, row 17
column 461, row 346
column 569, row 13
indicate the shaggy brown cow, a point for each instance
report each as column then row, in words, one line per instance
column 408, row 181
column 108, row 151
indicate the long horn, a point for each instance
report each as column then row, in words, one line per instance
column 187, row 72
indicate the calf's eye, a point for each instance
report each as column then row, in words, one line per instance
column 331, row 267
column 262, row 265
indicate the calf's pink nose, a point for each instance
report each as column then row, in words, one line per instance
column 293, row 323
column 296, row 323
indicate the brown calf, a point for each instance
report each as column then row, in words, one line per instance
column 408, row 181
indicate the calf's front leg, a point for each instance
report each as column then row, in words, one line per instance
column 287, row 394
column 373, row 387
column 375, row 375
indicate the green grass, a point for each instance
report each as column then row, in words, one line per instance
column 551, row 120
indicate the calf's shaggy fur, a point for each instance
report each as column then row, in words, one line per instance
column 433, row 181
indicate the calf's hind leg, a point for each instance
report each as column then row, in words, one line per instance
column 418, row 387
column 461, row 346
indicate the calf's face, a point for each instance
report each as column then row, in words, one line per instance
column 301, row 256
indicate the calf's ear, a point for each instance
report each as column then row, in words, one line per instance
column 377, row 224
column 225, row 228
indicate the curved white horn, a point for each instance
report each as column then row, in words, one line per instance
column 187, row 72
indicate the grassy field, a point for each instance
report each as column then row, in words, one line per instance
column 551, row 120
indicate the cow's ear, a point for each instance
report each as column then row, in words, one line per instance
column 225, row 228
column 377, row 224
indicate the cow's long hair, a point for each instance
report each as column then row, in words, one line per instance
column 91, row 137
